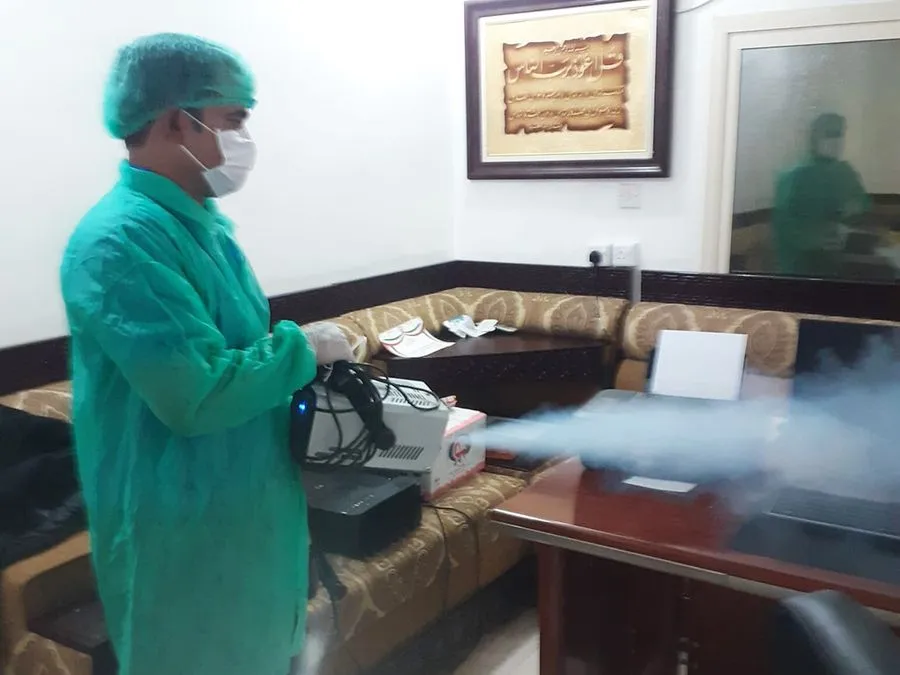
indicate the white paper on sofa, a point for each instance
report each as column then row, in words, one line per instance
column 464, row 326
column 411, row 340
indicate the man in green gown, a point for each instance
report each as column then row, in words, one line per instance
column 813, row 200
column 197, row 514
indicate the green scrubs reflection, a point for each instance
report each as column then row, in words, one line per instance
column 812, row 200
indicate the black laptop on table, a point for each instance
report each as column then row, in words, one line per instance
column 849, row 535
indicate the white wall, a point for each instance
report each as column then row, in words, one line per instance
column 354, row 176
column 784, row 89
column 361, row 127
column 556, row 222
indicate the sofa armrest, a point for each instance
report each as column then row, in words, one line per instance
column 44, row 583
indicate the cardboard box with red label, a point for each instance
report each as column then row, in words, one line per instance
column 459, row 458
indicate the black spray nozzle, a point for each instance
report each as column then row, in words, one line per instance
column 351, row 381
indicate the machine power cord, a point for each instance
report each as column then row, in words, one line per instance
column 336, row 589
column 473, row 528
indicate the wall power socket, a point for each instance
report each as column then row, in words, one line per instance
column 602, row 254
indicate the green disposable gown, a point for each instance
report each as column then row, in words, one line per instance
column 810, row 200
column 197, row 515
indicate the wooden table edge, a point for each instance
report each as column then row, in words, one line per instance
column 517, row 526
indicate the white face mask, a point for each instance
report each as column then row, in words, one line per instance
column 238, row 158
column 831, row 148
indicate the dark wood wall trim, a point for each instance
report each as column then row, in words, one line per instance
column 38, row 363
column 542, row 278
column 329, row 301
column 33, row 364
column 785, row 294
column 751, row 291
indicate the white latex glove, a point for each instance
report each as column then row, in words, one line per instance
column 329, row 343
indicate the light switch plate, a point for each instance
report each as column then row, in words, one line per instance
column 629, row 196
column 625, row 255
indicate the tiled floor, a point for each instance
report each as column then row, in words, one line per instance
column 510, row 650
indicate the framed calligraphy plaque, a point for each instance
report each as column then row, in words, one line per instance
column 569, row 88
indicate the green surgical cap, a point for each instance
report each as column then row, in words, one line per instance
column 167, row 71
column 828, row 125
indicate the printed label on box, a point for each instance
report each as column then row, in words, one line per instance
column 459, row 458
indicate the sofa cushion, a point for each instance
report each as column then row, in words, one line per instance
column 631, row 375
column 51, row 400
column 771, row 344
column 41, row 584
column 373, row 321
column 548, row 313
column 772, row 336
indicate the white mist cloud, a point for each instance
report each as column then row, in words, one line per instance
column 314, row 649
column 842, row 436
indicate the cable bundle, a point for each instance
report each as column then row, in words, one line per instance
column 355, row 382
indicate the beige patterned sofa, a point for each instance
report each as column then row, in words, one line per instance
column 771, row 343
column 771, row 338
column 391, row 596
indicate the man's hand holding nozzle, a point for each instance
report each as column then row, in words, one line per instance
column 329, row 343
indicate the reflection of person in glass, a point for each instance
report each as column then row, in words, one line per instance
column 814, row 200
